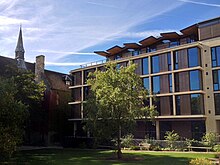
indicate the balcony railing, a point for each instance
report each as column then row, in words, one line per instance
column 94, row 63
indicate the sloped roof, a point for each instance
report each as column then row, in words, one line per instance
column 55, row 79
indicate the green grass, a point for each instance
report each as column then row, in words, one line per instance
column 99, row 157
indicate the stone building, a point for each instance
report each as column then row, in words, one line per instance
column 55, row 98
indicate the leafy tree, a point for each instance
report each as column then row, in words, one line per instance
column 30, row 94
column 116, row 100
column 12, row 116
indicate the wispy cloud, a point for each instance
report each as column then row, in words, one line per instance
column 63, row 52
column 201, row 3
column 144, row 34
column 64, row 64
column 60, row 28
column 102, row 4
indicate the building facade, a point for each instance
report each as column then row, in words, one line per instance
column 181, row 72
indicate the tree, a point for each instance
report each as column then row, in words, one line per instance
column 31, row 95
column 13, row 114
column 116, row 100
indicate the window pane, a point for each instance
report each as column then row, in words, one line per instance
column 213, row 54
column 195, row 82
column 170, row 83
column 218, row 55
column 216, row 80
column 176, row 66
column 145, row 65
column 196, row 104
column 178, row 105
column 155, row 64
column 156, row 84
column 169, row 61
column 193, row 57
column 217, row 103
column 146, row 83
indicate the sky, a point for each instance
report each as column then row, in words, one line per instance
column 67, row 32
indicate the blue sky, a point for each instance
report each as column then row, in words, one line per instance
column 67, row 32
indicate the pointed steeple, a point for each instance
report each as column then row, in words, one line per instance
column 19, row 51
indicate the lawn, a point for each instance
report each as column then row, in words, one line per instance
column 96, row 157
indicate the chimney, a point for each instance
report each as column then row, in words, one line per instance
column 39, row 68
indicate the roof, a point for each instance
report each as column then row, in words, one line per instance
column 55, row 79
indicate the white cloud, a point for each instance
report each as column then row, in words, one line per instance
column 144, row 34
column 58, row 28
column 201, row 3
column 63, row 64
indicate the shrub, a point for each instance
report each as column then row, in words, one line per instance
column 209, row 139
column 135, row 148
column 200, row 161
column 171, row 137
column 127, row 141
column 216, row 148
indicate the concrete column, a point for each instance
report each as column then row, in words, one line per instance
column 157, row 130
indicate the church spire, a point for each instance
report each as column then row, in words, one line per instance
column 19, row 51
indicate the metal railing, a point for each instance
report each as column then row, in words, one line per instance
column 93, row 63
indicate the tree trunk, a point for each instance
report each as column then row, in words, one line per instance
column 119, row 153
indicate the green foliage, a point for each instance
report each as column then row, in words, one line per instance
column 209, row 139
column 12, row 116
column 171, row 137
column 189, row 142
column 216, row 148
column 116, row 100
column 200, row 161
column 127, row 141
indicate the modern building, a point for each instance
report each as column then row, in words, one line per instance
column 181, row 69
column 47, row 131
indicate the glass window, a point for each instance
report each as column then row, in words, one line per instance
column 176, row 82
column 117, row 56
column 193, row 55
column 156, row 102
column 135, row 52
column 215, row 56
column 195, row 80
column 196, row 104
column 174, row 43
column 169, row 61
column 156, row 84
column 178, row 105
column 150, row 49
column 176, row 63
column 155, row 64
column 146, row 83
column 216, row 80
column 170, row 83
column 217, row 103
column 145, row 65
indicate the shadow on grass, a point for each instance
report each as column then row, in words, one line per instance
column 98, row 157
